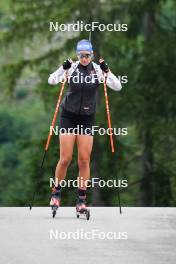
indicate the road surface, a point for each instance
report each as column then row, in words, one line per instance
column 139, row 235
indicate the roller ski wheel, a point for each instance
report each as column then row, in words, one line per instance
column 54, row 205
column 55, row 202
column 88, row 215
column 54, row 210
column 81, row 210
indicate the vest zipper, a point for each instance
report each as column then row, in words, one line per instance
column 81, row 98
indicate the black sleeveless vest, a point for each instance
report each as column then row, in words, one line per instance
column 81, row 95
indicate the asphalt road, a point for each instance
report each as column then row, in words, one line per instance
column 139, row 235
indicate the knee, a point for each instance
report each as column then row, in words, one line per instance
column 65, row 162
column 83, row 162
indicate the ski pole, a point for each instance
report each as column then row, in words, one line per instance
column 118, row 194
column 108, row 113
column 49, row 139
column 110, row 127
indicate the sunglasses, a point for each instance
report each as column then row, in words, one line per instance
column 87, row 56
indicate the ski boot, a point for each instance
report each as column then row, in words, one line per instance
column 81, row 209
column 55, row 201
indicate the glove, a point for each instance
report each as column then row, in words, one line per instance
column 67, row 64
column 104, row 67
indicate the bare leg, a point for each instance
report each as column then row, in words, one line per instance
column 84, row 143
column 66, row 151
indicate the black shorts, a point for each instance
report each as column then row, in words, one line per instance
column 70, row 122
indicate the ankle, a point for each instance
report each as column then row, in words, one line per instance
column 81, row 195
column 57, row 188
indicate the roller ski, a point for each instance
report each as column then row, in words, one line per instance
column 55, row 201
column 82, row 210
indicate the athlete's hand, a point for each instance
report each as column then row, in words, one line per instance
column 67, row 64
column 103, row 65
